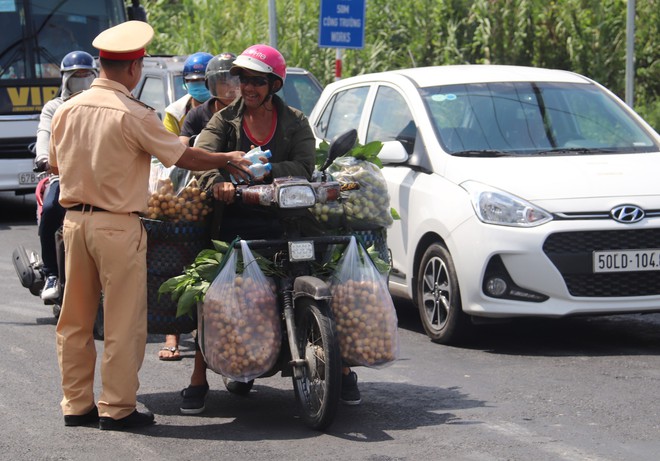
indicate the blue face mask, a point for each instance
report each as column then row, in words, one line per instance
column 198, row 91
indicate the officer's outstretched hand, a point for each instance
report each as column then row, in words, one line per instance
column 237, row 166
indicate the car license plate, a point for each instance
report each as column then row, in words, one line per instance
column 626, row 260
column 28, row 178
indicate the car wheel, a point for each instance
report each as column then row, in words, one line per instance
column 438, row 297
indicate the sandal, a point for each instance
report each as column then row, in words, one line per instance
column 175, row 354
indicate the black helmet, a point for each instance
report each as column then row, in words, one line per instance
column 77, row 60
column 218, row 70
column 220, row 63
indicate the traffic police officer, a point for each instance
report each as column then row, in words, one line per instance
column 101, row 144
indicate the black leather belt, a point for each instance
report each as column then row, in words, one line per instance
column 85, row 207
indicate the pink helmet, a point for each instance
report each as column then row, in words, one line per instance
column 261, row 58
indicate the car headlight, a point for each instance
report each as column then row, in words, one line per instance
column 494, row 206
column 294, row 195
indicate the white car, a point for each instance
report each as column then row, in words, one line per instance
column 521, row 191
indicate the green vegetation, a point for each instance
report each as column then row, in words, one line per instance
column 584, row 36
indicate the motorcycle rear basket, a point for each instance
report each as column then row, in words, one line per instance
column 170, row 248
column 377, row 238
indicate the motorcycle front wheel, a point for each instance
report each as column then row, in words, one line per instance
column 317, row 391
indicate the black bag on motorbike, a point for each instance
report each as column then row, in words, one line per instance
column 170, row 248
column 239, row 329
column 26, row 270
column 363, row 310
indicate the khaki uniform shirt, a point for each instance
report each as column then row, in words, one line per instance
column 102, row 141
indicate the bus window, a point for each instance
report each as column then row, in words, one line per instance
column 38, row 33
column 35, row 36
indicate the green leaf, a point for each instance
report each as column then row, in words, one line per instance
column 169, row 285
column 376, row 161
column 381, row 266
column 188, row 301
column 372, row 149
column 395, row 214
column 206, row 254
column 220, row 246
column 368, row 152
column 208, row 272
column 321, row 153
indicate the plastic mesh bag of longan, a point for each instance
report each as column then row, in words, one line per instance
column 175, row 195
column 367, row 325
column 239, row 323
column 367, row 207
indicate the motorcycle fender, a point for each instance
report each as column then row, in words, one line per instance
column 26, row 273
column 308, row 286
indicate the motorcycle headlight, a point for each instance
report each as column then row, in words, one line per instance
column 494, row 206
column 296, row 196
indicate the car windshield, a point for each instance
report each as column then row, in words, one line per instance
column 502, row 119
column 301, row 92
column 179, row 87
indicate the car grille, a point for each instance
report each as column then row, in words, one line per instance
column 14, row 148
column 571, row 253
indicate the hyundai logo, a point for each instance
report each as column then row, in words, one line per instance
column 627, row 214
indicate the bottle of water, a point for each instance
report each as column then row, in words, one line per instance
column 260, row 169
column 255, row 154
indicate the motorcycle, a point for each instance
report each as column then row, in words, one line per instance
column 309, row 351
column 29, row 264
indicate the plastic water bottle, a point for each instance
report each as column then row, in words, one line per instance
column 256, row 153
column 260, row 169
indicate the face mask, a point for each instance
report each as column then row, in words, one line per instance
column 76, row 84
column 198, row 91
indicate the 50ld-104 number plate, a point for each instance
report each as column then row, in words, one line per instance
column 626, row 260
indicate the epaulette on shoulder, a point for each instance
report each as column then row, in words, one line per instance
column 141, row 103
column 72, row 95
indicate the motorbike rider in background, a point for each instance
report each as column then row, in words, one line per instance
column 78, row 69
column 223, row 88
column 194, row 68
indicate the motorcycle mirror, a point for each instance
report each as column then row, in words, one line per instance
column 340, row 144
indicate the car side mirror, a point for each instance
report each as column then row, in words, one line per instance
column 393, row 152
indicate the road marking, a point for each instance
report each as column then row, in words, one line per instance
column 543, row 443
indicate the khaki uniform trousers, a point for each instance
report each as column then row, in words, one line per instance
column 103, row 251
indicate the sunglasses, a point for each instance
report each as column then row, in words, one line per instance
column 254, row 81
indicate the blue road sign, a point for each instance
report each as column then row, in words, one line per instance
column 341, row 23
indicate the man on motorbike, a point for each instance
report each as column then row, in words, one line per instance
column 193, row 79
column 78, row 69
column 223, row 88
column 257, row 118
column 194, row 68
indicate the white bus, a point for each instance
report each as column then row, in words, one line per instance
column 35, row 36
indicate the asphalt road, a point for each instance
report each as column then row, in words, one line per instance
column 579, row 389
